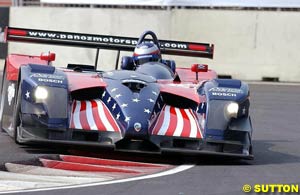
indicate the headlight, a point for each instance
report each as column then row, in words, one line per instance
column 232, row 109
column 41, row 93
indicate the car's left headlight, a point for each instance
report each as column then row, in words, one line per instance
column 41, row 93
column 231, row 110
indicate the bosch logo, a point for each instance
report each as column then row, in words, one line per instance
column 137, row 126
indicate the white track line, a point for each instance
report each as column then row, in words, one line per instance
column 164, row 173
column 67, row 180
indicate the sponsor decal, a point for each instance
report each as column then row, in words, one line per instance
column 201, row 66
column 101, row 39
column 10, row 93
column 48, row 78
column 224, row 94
column 226, row 90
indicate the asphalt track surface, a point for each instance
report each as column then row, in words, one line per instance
column 275, row 111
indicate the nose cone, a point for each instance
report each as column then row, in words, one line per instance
column 133, row 108
column 141, row 107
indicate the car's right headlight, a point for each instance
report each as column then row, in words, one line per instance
column 231, row 110
column 41, row 93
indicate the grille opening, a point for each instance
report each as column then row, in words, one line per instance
column 87, row 94
column 85, row 136
column 232, row 148
column 179, row 101
column 56, row 135
column 181, row 143
column 135, row 87
column 189, row 144
column 81, row 67
column 138, row 145
column 235, row 135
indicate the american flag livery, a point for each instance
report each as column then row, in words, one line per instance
column 177, row 122
column 92, row 115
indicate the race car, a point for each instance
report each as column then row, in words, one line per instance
column 155, row 107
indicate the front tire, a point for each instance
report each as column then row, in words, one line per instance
column 17, row 115
column 3, row 96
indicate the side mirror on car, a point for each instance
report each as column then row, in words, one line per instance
column 48, row 57
column 199, row 68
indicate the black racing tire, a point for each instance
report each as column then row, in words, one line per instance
column 16, row 115
column 251, row 150
column 3, row 96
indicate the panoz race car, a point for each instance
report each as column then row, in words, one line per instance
column 154, row 107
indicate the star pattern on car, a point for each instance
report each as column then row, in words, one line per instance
column 124, row 105
column 118, row 116
column 136, row 100
column 151, row 100
column 114, row 89
column 148, row 106
column 114, row 106
column 118, row 95
column 146, row 110
column 109, row 99
column 27, row 94
column 127, row 118
column 103, row 94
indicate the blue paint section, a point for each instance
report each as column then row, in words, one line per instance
column 28, row 87
column 36, row 68
column 48, row 112
column 59, row 123
column 131, row 108
column 215, row 133
column 225, row 89
column 221, row 91
column 229, row 83
column 133, row 98
column 41, row 75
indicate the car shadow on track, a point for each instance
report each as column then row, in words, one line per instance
column 265, row 152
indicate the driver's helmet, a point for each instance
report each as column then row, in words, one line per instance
column 146, row 52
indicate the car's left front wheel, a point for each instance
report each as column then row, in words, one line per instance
column 16, row 115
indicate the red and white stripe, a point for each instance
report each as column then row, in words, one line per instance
column 177, row 122
column 92, row 115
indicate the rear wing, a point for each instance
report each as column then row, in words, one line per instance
column 168, row 47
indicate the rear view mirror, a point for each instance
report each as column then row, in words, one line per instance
column 199, row 68
column 48, row 56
